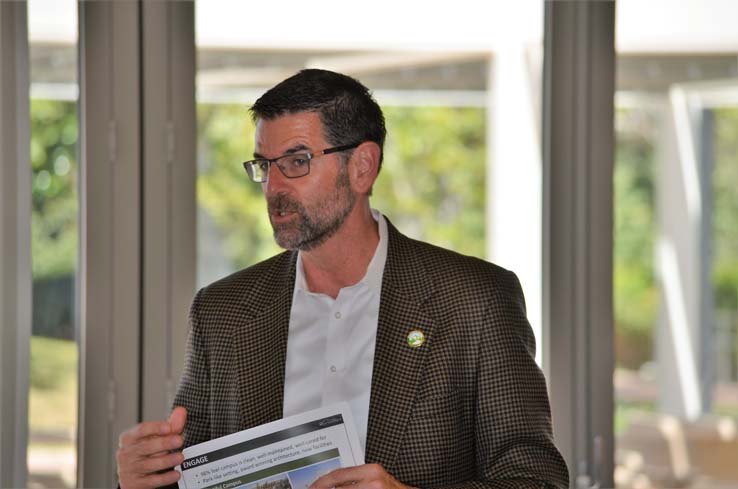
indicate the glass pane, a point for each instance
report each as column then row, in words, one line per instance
column 724, row 264
column 676, row 259
column 440, row 107
column 52, row 456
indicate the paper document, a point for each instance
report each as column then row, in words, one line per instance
column 287, row 454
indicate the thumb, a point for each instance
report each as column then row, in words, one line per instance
column 177, row 419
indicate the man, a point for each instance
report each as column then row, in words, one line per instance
column 431, row 349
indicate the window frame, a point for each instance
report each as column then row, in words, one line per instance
column 15, row 243
column 127, row 172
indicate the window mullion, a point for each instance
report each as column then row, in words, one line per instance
column 15, row 243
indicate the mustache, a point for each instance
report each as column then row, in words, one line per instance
column 282, row 203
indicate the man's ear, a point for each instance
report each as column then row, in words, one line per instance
column 364, row 167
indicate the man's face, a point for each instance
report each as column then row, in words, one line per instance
column 306, row 211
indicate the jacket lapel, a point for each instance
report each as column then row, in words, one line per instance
column 398, row 368
column 261, row 344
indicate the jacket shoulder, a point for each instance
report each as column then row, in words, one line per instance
column 250, row 284
column 449, row 268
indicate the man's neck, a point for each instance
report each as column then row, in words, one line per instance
column 343, row 259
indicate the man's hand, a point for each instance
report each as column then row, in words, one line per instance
column 144, row 451
column 369, row 476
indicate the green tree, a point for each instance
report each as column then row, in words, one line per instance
column 234, row 203
column 54, row 180
column 432, row 184
column 725, row 210
column 635, row 288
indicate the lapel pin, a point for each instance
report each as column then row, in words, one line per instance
column 415, row 338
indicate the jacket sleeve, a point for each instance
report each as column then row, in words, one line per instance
column 193, row 389
column 513, row 431
column 193, row 392
column 522, row 454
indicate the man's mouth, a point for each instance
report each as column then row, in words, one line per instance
column 282, row 209
column 281, row 215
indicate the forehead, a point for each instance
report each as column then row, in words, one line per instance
column 284, row 132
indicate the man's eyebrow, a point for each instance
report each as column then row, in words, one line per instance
column 292, row 150
column 296, row 148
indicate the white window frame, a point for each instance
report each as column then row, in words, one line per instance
column 578, row 128
column 169, row 175
column 138, row 226
column 137, row 87
column 110, row 207
column 15, row 243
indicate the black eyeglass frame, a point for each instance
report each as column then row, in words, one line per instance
column 250, row 165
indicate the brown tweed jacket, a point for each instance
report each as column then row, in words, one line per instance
column 469, row 408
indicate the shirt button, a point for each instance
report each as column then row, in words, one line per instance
column 333, row 368
column 337, row 315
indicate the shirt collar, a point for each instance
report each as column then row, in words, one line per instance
column 373, row 276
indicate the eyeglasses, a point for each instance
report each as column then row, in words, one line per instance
column 294, row 165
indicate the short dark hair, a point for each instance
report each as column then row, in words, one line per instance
column 346, row 108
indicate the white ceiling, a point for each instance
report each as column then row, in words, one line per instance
column 686, row 26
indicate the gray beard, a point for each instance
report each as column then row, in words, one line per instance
column 313, row 227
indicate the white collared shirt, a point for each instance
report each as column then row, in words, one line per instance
column 330, row 347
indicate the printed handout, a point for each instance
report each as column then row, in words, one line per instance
column 287, row 454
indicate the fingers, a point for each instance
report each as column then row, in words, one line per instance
column 162, row 462
column 149, row 481
column 135, row 458
column 145, row 452
column 177, row 419
column 350, row 476
column 175, row 424
column 136, row 472
column 142, row 430
column 369, row 476
column 151, row 446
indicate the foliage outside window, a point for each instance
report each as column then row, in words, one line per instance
column 54, row 241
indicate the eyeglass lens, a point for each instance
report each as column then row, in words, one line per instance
column 291, row 166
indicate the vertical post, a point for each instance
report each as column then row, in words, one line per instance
column 514, row 175
column 15, row 243
column 169, row 173
column 683, row 205
column 708, row 324
column 110, row 245
column 579, row 79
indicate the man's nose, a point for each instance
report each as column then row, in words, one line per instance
column 276, row 181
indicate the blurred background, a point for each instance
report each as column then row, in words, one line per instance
column 463, row 109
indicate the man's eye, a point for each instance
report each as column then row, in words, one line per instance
column 263, row 165
column 299, row 161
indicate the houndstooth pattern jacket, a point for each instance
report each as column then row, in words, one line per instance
column 468, row 408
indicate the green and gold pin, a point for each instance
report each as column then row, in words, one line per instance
column 415, row 338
